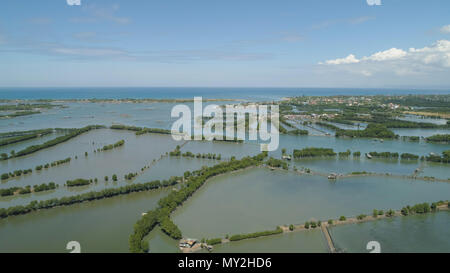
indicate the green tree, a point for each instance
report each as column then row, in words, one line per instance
column 375, row 213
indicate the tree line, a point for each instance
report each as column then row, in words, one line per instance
column 313, row 152
column 21, row 138
column 73, row 133
column 169, row 203
column 238, row 237
column 85, row 197
column 28, row 189
column 140, row 130
column 15, row 173
column 445, row 138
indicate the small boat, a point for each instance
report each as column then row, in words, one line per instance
column 332, row 176
column 368, row 156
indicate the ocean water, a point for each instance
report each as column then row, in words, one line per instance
column 254, row 94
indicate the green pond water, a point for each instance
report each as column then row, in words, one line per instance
column 417, row 233
column 259, row 199
column 99, row 226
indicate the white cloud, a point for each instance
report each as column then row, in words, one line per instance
column 421, row 61
column 101, row 13
column 350, row 59
column 88, row 52
column 390, row 54
column 445, row 29
column 373, row 2
column 74, row 2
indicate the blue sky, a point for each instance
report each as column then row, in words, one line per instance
column 290, row 43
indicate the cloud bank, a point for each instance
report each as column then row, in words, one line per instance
column 414, row 61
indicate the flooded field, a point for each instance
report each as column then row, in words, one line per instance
column 251, row 200
column 418, row 233
column 99, row 226
column 260, row 199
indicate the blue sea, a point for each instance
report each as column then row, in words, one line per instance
column 253, row 94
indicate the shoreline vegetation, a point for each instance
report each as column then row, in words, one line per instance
column 94, row 100
column 161, row 215
column 20, row 138
column 311, row 152
column 421, row 208
column 379, row 115
column 145, row 130
column 307, row 171
column 34, row 148
column 24, row 109
column 28, row 189
column 86, row 197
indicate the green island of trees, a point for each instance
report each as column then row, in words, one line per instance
column 313, row 152
column 345, row 154
column 439, row 138
column 421, row 208
column 27, row 189
column 277, row 163
column 112, row 146
column 298, row 132
column 411, row 138
column 78, row 182
column 53, row 164
column 140, row 130
column 384, row 154
column 445, row 158
column 214, row 241
column 238, row 237
column 408, row 156
column 177, row 152
column 15, row 173
column 372, row 130
column 19, row 114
